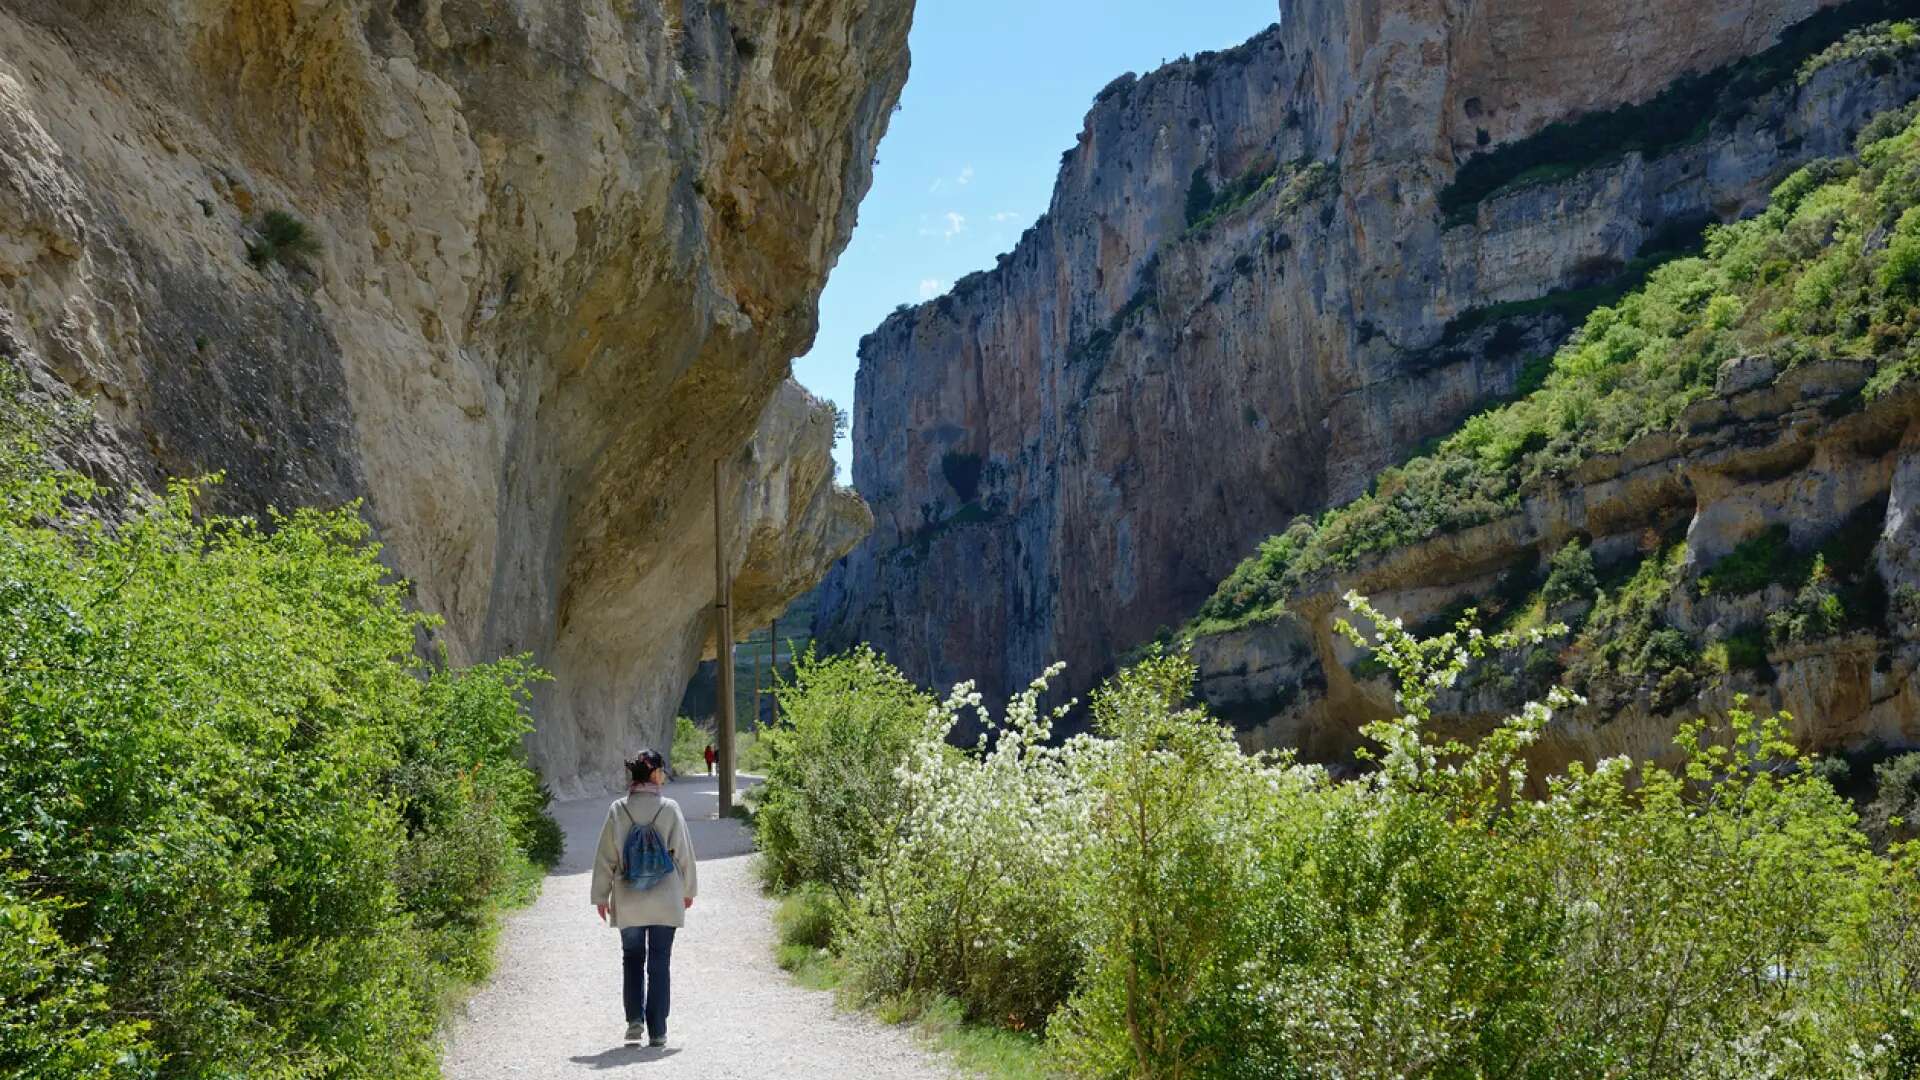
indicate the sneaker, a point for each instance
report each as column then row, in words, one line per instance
column 657, row 1040
column 636, row 1032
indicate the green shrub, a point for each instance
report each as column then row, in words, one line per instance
column 1570, row 575
column 690, row 742
column 1815, row 613
column 1238, row 192
column 246, row 830
column 1893, row 817
column 1753, row 564
column 805, row 917
column 1178, row 818
column 280, row 237
column 845, row 724
column 1879, row 45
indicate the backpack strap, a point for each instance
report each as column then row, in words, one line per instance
column 655, row 825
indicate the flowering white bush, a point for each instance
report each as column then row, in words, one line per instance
column 969, row 894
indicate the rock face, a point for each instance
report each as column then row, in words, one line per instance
column 1249, row 295
column 1796, row 452
column 563, row 254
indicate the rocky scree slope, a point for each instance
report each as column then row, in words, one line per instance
column 1268, row 273
column 1715, row 489
column 515, row 274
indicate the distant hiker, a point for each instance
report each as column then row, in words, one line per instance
column 710, row 759
column 643, row 883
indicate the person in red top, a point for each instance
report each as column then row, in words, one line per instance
column 710, row 759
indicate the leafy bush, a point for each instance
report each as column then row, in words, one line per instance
column 243, row 829
column 1163, row 883
column 1753, row 564
column 845, row 725
column 1878, row 44
column 690, row 742
column 1815, row 612
column 1238, row 192
column 1570, row 575
column 1894, row 814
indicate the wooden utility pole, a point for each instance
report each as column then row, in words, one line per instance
column 723, row 646
column 773, row 661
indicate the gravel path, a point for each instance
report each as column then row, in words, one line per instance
column 553, row 1005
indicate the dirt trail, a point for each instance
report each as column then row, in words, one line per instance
column 553, row 1005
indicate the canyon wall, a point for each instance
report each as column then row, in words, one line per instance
column 515, row 274
column 1259, row 282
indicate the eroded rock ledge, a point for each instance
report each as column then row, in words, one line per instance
column 565, row 253
column 1798, row 450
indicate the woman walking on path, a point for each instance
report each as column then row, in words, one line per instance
column 647, row 912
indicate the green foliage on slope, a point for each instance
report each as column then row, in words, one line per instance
column 1830, row 270
column 243, row 830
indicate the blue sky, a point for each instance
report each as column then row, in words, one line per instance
column 997, row 91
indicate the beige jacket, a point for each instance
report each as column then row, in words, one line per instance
column 665, row 903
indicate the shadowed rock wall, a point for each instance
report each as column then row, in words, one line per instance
column 565, row 253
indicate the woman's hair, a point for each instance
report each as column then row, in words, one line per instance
column 640, row 767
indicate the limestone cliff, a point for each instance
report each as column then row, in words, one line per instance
column 514, row 273
column 1267, row 273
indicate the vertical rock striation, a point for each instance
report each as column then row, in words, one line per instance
column 565, row 253
column 1259, row 282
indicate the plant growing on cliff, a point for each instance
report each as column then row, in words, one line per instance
column 282, row 238
column 1570, row 576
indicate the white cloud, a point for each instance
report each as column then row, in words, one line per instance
column 1005, row 216
column 956, row 224
column 965, row 177
column 931, row 287
column 938, row 183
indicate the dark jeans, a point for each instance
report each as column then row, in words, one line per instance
column 644, row 951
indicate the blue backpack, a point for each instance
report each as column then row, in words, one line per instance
column 644, row 858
